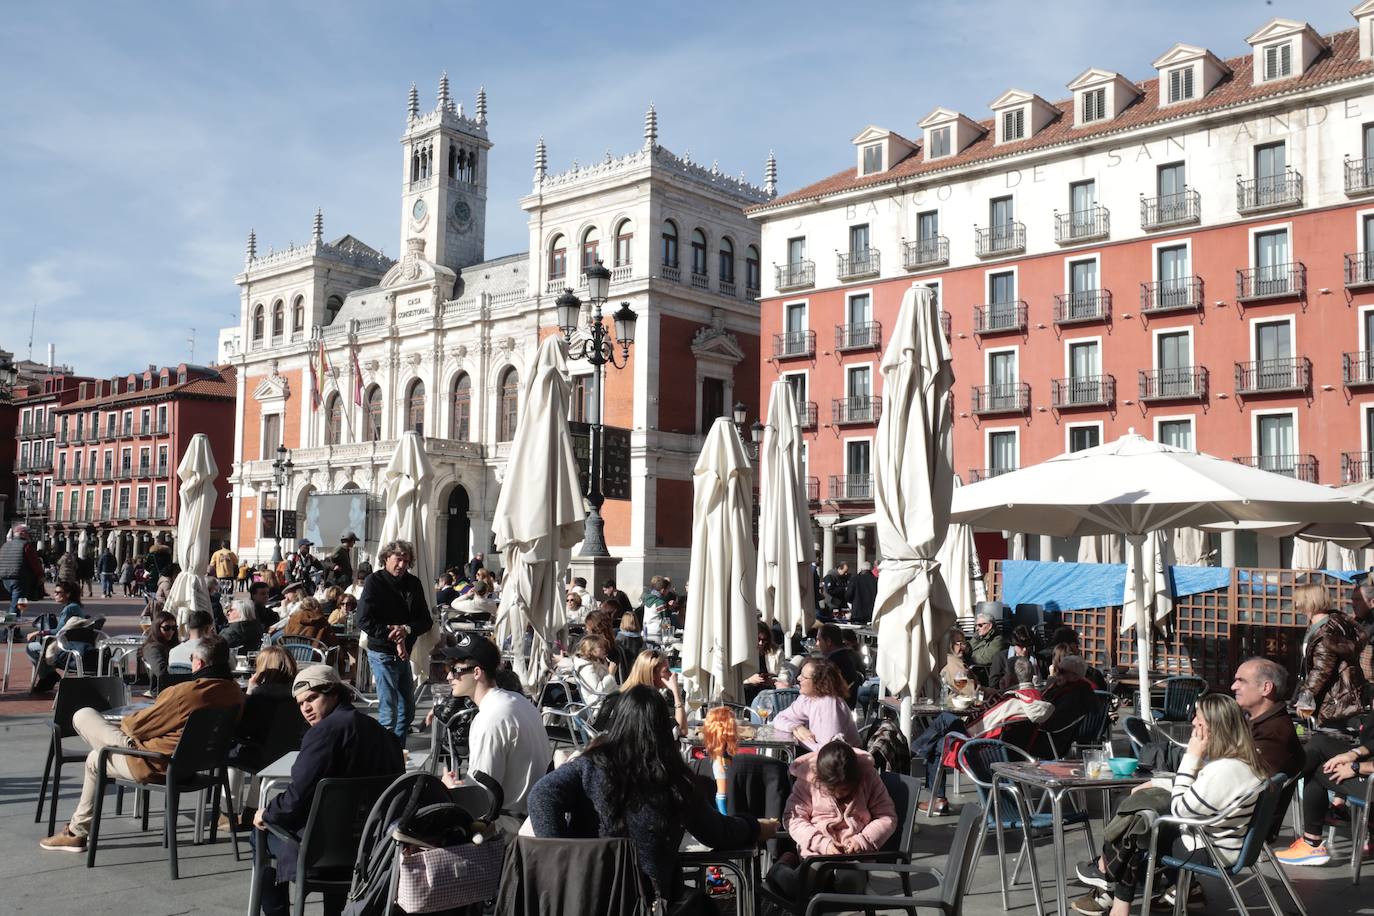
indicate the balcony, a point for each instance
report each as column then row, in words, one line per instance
column 923, row 253
column 160, row 512
column 807, row 413
column 856, row 410
column 794, row 344
column 797, row 275
column 1173, row 295
column 865, row 262
column 160, row 429
column 1302, row 467
column 977, row 474
column 1182, row 383
column 123, row 513
column 1082, row 225
column 995, row 241
column 1357, row 368
column 851, row 487
column 126, row 472
column 1270, row 376
column 1082, row 306
column 1168, row 210
column 145, row 469
column 1359, row 270
column 726, row 288
column 1359, row 177
column 1276, row 281
column 59, row 477
column 813, row 490
column 860, row 335
column 1356, row 467
column 1083, row 391
column 701, row 281
column 143, row 513
column 33, row 430
column 751, row 293
column 670, row 272
column 1009, row 397
column 90, row 476
column 999, row 317
column 1271, row 192
column 161, row 470
column 106, row 514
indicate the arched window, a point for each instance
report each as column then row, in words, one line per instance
column 669, row 243
column 698, row 252
column 751, row 269
column 558, row 258
column 726, row 273
column 508, row 410
column 591, row 245
column 333, row 420
column 624, row 234
column 259, row 320
column 453, row 160
column 461, row 426
column 298, row 315
column 331, row 308
column 372, row 414
column 415, row 407
column 278, row 318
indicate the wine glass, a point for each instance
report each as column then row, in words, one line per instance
column 1306, row 705
column 764, row 712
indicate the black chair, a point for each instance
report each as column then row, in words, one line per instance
column 200, row 762
column 328, row 846
column 1090, row 729
column 818, row 870
column 1180, row 697
column 270, row 728
column 951, row 881
column 73, row 693
column 1137, row 732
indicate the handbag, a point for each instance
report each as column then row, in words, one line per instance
column 449, row 876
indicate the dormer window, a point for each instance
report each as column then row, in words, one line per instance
column 1013, row 125
column 878, row 149
column 939, row 143
column 1095, row 104
column 873, row 158
column 1278, row 61
column 1180, row 84
column 948, row 133
column 1285, row 48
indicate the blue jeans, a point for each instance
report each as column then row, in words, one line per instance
column 928, row 745
column 395, row 692
column 10, row 586
column 107, row 584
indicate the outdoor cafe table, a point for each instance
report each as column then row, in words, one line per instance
column 765, row 739
column 1056, row 778
column 892, row 706
column 118, row 714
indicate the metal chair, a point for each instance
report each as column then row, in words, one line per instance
column 1360, row 806
column 304, row 650
column 73, row 693
column 1137, row 732
column 1091, row 728
column 1180, row 697
column 774, row 699
column 575, row 731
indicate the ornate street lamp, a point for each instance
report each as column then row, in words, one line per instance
column 282, row 471
column 598, row 350
column 9, row 374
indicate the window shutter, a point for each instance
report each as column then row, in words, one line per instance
column 1271, row 62
column 1285, row 59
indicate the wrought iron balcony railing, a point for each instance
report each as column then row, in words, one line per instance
column 1083, row 391
column 1357, row 368
column 1262, row 376
column 794, row 344
column 1171, row 295
column 797, row 275
column 1303, row 467
column 1270, row 192
column 1359, row 269
column 999, row 317
column 851, row 487
column 1359, row 176
column 857, row 409
column 1271, row 282
column 861, row 335
column 1009, row 397
column 1356, row 467
column 977, row 474
column 1174, row 384
column 995, row 241
column 1082, row 225
column 927, row 252
column 1170, row 210
column 1082, row 305
column 865, row 262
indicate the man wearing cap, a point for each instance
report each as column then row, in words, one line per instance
column 506, row 740
column 339, row 567
column 21, row 569
column 340, row 743
column 394, row 612
column 304, row 566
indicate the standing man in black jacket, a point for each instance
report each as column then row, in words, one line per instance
column 394, row 612
column 861, row 595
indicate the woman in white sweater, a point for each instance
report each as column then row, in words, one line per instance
column 1219, row 767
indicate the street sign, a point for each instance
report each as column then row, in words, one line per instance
column 615, row 458
column 288, row 525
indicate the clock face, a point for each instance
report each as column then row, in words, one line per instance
column 462, row 212
column 418, row 211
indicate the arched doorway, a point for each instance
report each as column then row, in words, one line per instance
column 457, row 543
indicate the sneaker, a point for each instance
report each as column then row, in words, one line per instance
column 1302, row 852
column 941, row 807
column 1094, row 904
column 66, row 841
column 1090, row 875
column 1196, row 899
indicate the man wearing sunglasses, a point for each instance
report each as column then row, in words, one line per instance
column 506, row 740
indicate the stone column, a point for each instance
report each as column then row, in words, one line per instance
column 1228, row 548
column 861, row 537
column 827, row 523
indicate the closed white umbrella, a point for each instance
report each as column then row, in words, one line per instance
column 406, row 483
column 718, row 642
column 914, row 477
column 1190, row 547
column 539, row 514
column 1158, row 598
column 1308, row 553
column 958, row 564
column 196, row 502
column 1134, row 486
column 784, row 582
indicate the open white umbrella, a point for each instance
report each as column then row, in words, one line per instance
column 718, row 642
column 784, row 582
column 196, row 503
column 406, row 483
column 539, row 514
column 1134, row 486
column 913, row 480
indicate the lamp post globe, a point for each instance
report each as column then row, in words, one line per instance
column 569, row 309
column 598, row 282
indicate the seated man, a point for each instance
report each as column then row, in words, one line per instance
column 340, row 743
column 830, row 643
column 157, row 728
column 199, row 624
column 985, row 645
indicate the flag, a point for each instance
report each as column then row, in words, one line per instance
column 319, row 367
column 357, row 378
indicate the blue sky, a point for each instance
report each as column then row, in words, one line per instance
column 139, row 142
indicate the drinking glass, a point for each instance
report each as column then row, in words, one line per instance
column 1094, row 764
column 1306, row 704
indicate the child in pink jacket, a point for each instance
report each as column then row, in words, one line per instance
column 838, row 806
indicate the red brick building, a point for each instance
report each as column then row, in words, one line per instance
column 34, row 414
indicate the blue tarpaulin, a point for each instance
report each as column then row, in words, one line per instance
column 1075, row 586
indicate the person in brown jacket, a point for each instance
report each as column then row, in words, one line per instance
column 157, row 728
column 310, row 621
column 1331, row 657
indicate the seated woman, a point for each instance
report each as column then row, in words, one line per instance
column 268, row 690
column 1072, row 695
column 340, row 742
column 1023, row 704
column 162, row 637
column 1000, row 676
column 629, row 637
column 956, row 674
column 632, row 782
column 838, row 806
column 821, row 713
column 1219, row 767
column 50, row 665
column 650, row 670
column 244, row 631
column 310, row 621
column 1332, row 766
column 772, row 671
column 589, row 666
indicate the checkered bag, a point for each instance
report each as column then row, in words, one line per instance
column 451, row 876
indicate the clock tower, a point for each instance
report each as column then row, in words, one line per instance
column 444, row 182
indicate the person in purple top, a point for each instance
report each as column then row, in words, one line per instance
column 820, row 713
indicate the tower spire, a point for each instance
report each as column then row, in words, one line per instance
column 413, row 103
column 481, row 104
column 770, row 175
column 650, row 128
column 317, row 230
column 445, row 100
column 541, row 161
column 251, row 254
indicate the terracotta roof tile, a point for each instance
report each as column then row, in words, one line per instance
column 1339, row 62
column 217, row 387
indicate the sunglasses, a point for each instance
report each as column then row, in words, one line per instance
column 167, row 627
column 457, row 672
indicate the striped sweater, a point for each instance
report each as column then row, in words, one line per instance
column 1201, row 791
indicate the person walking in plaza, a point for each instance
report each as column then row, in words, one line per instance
column 394, row 613
column 338, row 566
column 21, row 569
column 157, row 728
column 106, row 566
column 1335, row 657
column 225, row 564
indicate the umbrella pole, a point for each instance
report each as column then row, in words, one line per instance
column 1142, row 624
column 905, row 714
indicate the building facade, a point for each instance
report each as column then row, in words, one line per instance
column 1190, row 256
column 34, row 411
column 116, row 450
column 442, row 341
